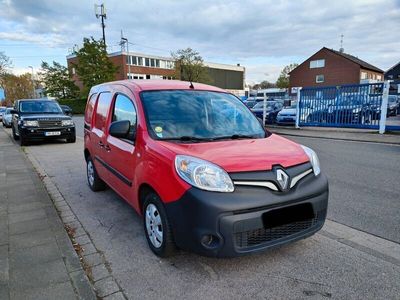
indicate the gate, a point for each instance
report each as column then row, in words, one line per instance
column 357, row 106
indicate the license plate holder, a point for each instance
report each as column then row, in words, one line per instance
column 287, row 215
column 52, row 133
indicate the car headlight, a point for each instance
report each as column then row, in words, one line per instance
column 313, row 159
column 203, row 174
column 67, row 123
column 31, row 123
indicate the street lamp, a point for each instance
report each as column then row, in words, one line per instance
column 33, row 83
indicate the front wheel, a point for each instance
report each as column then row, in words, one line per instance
column 156, row 227
column 15, row 136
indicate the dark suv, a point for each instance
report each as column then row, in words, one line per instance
column 40, row 119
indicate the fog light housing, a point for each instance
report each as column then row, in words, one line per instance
column 210, row 241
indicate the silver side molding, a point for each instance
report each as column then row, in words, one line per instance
column 266, row 184
column 298, row 177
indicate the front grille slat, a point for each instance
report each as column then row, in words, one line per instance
column 259, row 236
column 49, row 123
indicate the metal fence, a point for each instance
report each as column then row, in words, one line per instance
column 356, row 106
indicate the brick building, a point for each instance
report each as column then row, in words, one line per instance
column 393, row 74
column 144, row 66
column 329, row 67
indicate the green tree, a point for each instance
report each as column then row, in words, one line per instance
column 57, row 82
column 93, row 66
column 265, row 84
column 283, row 79
column 189, row 66
column 17, row 87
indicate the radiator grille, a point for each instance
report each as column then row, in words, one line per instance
column 259, row 236
column 49, row 123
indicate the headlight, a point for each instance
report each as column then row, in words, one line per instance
column 203, row 174
column 31, row 123
column 313, row 159
column 67, row 123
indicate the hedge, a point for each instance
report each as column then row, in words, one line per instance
column 77, row 105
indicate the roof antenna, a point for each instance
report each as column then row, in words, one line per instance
column 341, row 50
column 191, row 85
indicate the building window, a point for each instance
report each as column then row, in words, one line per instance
column 152, row 62
column 157, row 63
column 319, row 63
column 147, row 76
column 364, row 75
column 379, row 77
column 319, row 78
column 147, row 62
column 73, row 71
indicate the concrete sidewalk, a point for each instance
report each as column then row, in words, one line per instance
column 37, row 259
column 346, row 134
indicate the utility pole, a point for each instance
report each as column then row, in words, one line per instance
column 33, row 83
column 124, row 41
column 101, row 14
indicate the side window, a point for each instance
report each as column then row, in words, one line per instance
column 103, row 105
column 125, row 110
column 90, row 108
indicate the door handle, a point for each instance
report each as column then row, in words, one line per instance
column 101, row 144
column 107, row 148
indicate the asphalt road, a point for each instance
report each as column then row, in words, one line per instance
column 364, row 181
column 320, row 267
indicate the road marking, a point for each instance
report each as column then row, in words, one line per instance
column 362, row 241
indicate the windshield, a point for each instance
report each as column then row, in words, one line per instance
column 268, row 104
column 38, row 107
column 8, row 110
column 189, row 115
column 292, row 105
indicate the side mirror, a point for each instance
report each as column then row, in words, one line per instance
column 120, row 129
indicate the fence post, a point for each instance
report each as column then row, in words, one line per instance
column 385, row 96
column 264, row 106
column 298, row 108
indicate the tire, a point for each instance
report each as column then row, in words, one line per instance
column 15, row 137
column 72, row 139
column 93, row 179
column 23, row 141
column 154, row 213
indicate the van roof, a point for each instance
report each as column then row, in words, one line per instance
column 152, row 84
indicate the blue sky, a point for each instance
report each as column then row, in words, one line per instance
column 261, row 35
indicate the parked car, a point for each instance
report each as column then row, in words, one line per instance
column 250, row 102
column 2, row 110
column 66, row 110
column 200, row 168
column 7, row 117
column 393, row 105
column 271, row 107
column 287, row 115
column 40, row 119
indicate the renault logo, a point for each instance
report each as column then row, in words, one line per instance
column 282, row 178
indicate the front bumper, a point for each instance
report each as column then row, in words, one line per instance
column 286, row 119
column 37, row 133
column 232, row 224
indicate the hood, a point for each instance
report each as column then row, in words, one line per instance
column 244, row 155
column 44, row 117
column 288, row 111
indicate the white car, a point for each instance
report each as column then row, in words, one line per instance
column 7, row 117
column 287, row 115
column 2, row 110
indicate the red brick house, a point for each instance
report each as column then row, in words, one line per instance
column 329, row 67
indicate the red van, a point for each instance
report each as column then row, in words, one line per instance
column 200, row 168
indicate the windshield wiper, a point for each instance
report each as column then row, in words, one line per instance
column 234, row 137
column 187, row 138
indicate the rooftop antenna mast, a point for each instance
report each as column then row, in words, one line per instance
column 341, row 43
column 101, row 14
column 124, row 41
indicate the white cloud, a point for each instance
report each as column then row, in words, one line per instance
column 259, row 34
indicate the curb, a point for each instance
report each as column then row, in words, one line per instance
column 94, row 269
